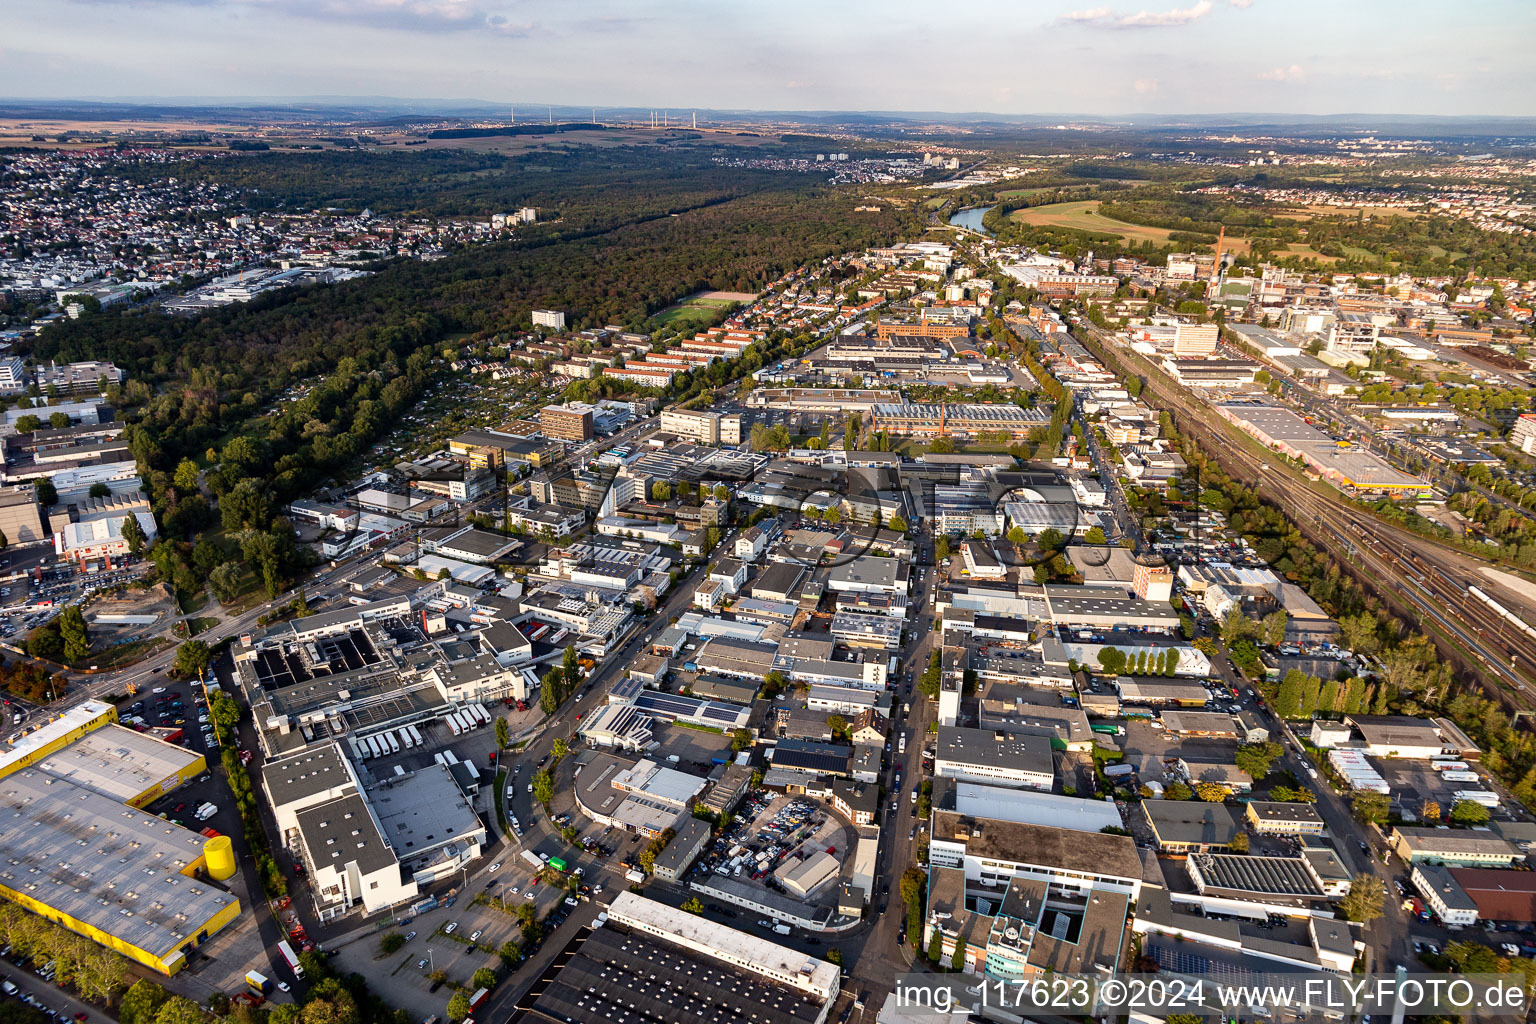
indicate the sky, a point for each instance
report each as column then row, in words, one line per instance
column 1019, row 57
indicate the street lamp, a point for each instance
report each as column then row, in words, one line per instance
column 431, row 961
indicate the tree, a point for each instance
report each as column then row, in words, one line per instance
column 484, row 977
column 1112, row 660
column 1369, row 807
column 693, row 906
column 1365, row 901
column 186, row 476
column 1360, row 632
column 936, row 945
column 225, row 581
column 180, row 1010
column 28, row 423
column 1095, row 535
column 897, row 524
column 1255, row 758
column 1178, row 791
column 559, row 748
column 72, row 630
column 835, row 956
column 1469, row 812
column 458, row 1006
column 957, row 959
column 1273, row 627
column 1235, row 626
column 941, row 547
column 1211, row 793
column 192, row 659
column 47, row 494
column 543, row 786
column 838, row 724
column 391, row 942
column 1016, row 535
column 133, row 535
column 503, row 732
column 100, row 490
column 1430, row 812
column 1239, row 843
column 141, row 1002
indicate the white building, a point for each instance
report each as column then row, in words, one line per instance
column 981, row 755
column 554, row 319
column 789, row 967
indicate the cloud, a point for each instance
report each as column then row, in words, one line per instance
column 420, row 15
column 1241, row 3
column 1146, row 86
column 1141, row 19
column 1294, row 73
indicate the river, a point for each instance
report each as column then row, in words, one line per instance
column 971, row 218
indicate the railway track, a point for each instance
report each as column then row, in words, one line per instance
column 1401, row 568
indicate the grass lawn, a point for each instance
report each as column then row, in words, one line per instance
column 1084, row 216
column 194, row 602
column 201, row 623
column 699, row 313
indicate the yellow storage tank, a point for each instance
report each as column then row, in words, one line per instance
column 219, row 853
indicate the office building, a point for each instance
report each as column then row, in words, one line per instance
column 570, row 422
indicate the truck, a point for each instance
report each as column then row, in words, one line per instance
column 394, row 744
column 258, row 983
column 416, row 736
column 780, row 929
column 478, row 998
column 1108, row 730
column 453, row 725
column 405, row 739
column 634, row 875
column 901, row 744
column 289, row 958
column 1118, row 770
column 532, row 859
column 482, row 717
column 558, row 863
column 373, row 746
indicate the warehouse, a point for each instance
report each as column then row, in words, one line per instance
column 803, row 877
column 140, row 887
column 1398, row 735
column 995, row 758
column 1283, row 880
column 1459, row 849
column 673, row 862
column 1499, row 895
column 1161, row 691
column 1187, row 826
column 1345, row 465
column 1200, row 723
column 130, row 767
column 994, row 851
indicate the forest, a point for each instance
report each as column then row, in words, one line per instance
column 349, row 359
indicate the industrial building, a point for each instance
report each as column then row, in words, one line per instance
column 1458, row 849
column 1189, row 826
column 656, row 963
column 994, row 757
column 993, row 851
column 135, row 883
column 1345, row 465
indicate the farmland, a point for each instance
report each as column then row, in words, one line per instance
column 1084, row 216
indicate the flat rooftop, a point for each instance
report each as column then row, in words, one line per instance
column 422, row 810
column 614, row 978
column 1044, row 845
column 308, row 773
column 98, row 861
column 119, row 762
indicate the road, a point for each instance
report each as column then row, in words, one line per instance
column 537, row 832
column 881, row 958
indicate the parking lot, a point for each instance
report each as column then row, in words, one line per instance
column 772, row 831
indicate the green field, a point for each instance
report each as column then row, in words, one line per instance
column 1084, row 216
